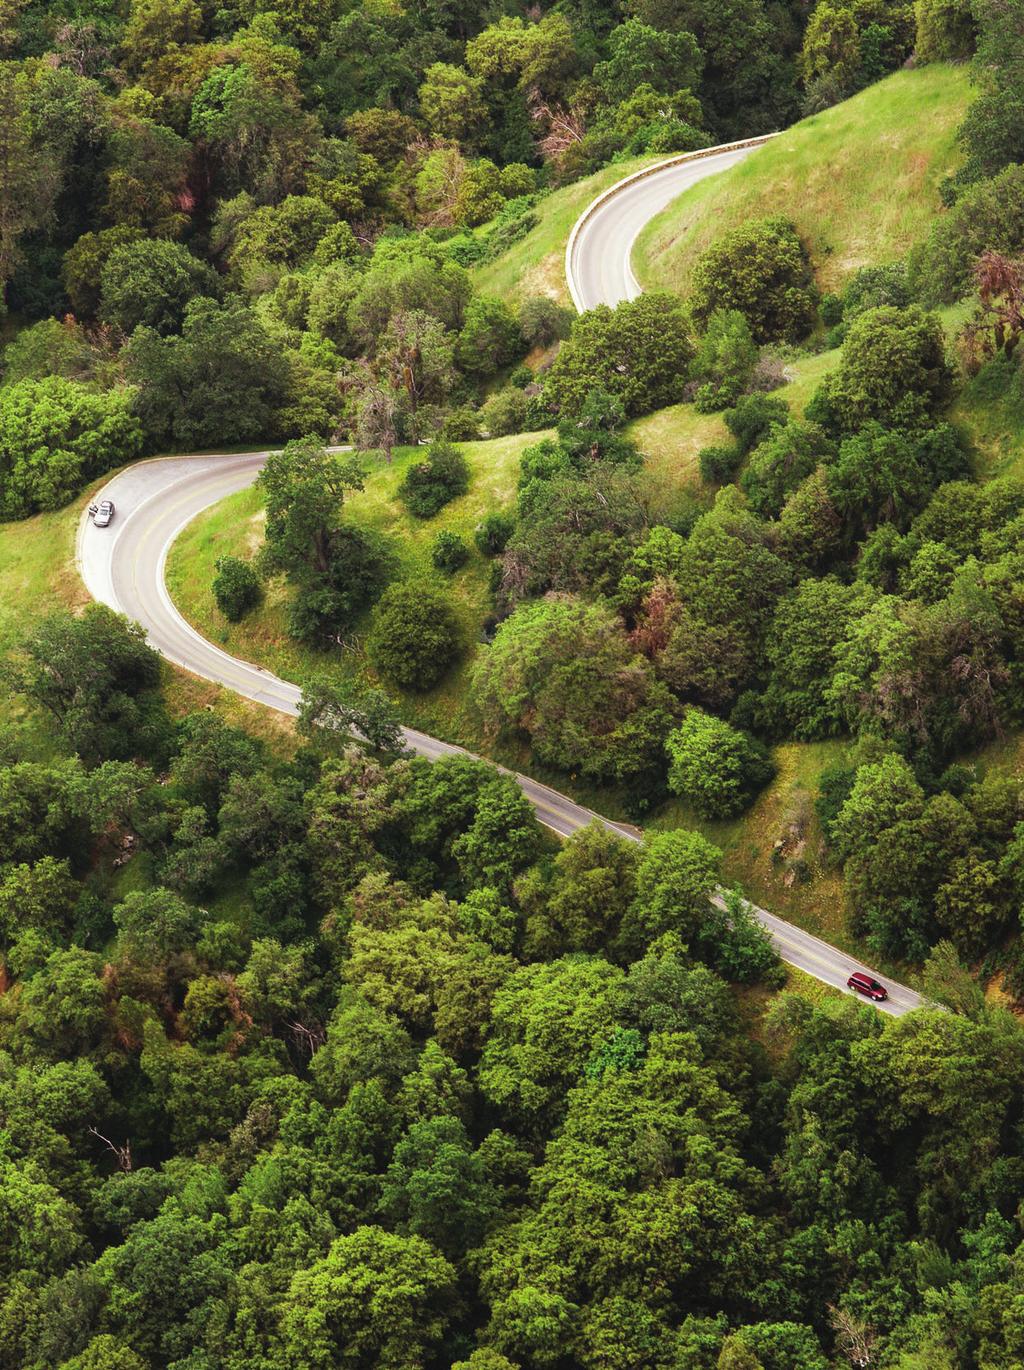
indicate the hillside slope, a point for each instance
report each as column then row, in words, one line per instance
column 860, row 181
column 536, row 264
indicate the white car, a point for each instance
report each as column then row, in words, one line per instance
column 104, row 513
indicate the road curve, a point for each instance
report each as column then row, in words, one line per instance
column 124, row 566
column 598, row 255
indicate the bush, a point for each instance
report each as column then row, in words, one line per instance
column 517, row 179
column 946, row 30
column 873, row 286
column 752, row 417
column 236, row 588
column 543, row 321
column 726, row 356
column 414, row 637
column 430, row 485
column 988, row 215
column 448, row 552
column 461, row 425
column 640, row 352
column 893, row 370
column 761, row 269
column 719, row 464
column 505, row 413
column 715, row 767
column 493, row 532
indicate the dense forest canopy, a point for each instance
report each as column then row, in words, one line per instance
column 316, row 1055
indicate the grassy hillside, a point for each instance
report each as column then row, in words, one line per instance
column 536, row 264
column 860, row 181
column 234, row 527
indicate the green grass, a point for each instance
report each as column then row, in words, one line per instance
column 991, row 410
column 235, row 527
column 37, row 575
column 37, row 570
column 536, row 264
column 860, row 182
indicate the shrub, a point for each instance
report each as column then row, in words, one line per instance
column 989, row 215
column 493, row 532
column 873, row 286
column 505, row 413
column 946, row 30
column 236, row 588
column 719, row 464
column 726, row 356
column 461, row 425
column 517, row 179
column 414, row 637
column 544, row 321
column 449, row 552
column 714, row 766
column 640, row 351
column 893, row 370
column 430, row 485
column 752, row 417
column 760, row 268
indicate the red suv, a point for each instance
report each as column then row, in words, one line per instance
column 865, row 985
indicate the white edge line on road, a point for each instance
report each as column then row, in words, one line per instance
column 601, row 200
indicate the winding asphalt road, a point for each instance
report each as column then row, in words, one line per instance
column 124, row 565
column 598, row 264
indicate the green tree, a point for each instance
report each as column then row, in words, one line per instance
column 503, row 837
column 451, row 101
column 715, row 767
column 892, row 370
column 580, row 903
column 332, row 709
column 41, row 896
column 221, row 380
column 724, row 360
column 676, row 877
column 639, row 352
column 415, row 636
column 97, row 678
column 490, row 336
column 375, row 1298
column 546, row 1021
column 762, row 270
column 55, row 436
column 639, row 53
column 564, row 671
column 151, row 282
column 105, row 1352
column 946, row 30
column 336, row 569
column 436, row 1186
column 236, row 588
